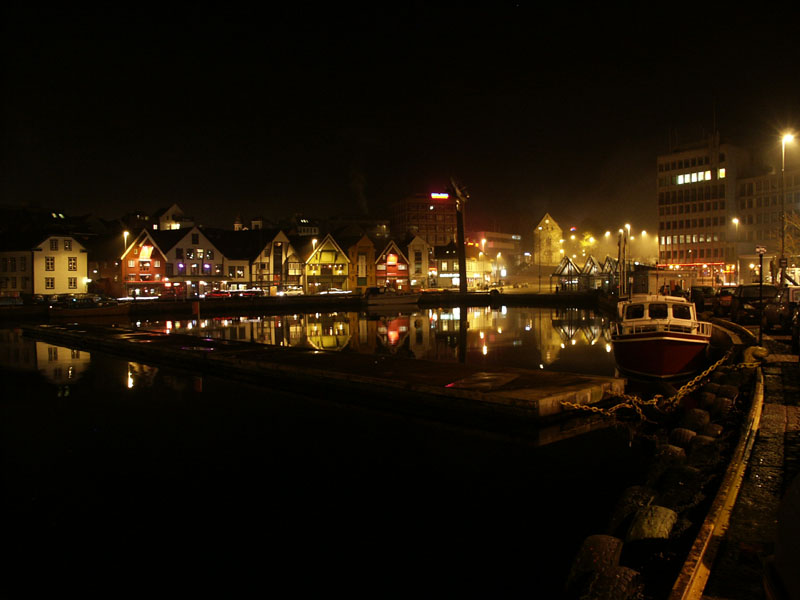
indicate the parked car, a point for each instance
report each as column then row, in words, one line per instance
column 248, row 293
column 747, row 302
column 703, row 297
column 291, row 290
column 721, row 305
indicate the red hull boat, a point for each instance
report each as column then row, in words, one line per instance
column 660, row 336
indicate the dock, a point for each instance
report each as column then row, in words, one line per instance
column 144, row 309
column 425, row 388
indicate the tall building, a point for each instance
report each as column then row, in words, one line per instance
column 697, row 187
column 492, row 242
column 432, row 217
column 760, row 202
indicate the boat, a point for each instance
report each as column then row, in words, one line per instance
column 660, row 336
column 377, row 296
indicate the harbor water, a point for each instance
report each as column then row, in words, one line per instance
column 140, row 458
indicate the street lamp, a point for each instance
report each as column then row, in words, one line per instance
column 125, row 235
column 539, row 250
column 786, row 138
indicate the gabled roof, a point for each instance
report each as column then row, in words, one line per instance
column 325, row 240
column 610, row 265
column 449, row 251
column 241, row 245
column 28, row 240
column 592, row 267
column 566, row 267
column 387, row 248
column 545, row 218
column 350, row 235
column 166, row 240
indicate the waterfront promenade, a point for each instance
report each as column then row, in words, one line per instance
column 749, row 541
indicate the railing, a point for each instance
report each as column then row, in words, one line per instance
column 700, row 328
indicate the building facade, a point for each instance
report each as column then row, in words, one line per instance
column 50, row 264
column 429, row 216
column 719, row 205
column 391, row 268
column 492, row 242
column 696, row 189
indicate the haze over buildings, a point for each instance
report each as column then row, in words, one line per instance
column 344, row 111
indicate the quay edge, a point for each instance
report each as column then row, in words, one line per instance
column 316, row 303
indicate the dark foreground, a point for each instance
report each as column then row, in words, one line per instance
column 749, row 543
column 140, row 478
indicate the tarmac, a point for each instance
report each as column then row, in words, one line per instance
column 749, row 542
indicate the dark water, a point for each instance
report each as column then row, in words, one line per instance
column 138, row 461
column 572, row 340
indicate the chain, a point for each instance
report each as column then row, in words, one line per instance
column 658, row 401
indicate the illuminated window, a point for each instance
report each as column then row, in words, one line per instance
column 722, row 173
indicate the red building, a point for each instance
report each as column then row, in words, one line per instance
column 391, row 268
column 144, row 267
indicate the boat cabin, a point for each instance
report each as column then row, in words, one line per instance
column 657, row 313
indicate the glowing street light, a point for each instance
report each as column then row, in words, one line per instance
column 125, row 235
column 787, row 138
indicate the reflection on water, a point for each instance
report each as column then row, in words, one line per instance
column 61, row 366
column 560, row 339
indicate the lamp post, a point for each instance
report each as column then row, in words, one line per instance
column 539, row 259
column 786, row 138
column 483, row 265
column 125, row 235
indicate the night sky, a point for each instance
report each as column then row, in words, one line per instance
column 343, row 110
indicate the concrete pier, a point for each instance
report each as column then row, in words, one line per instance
column 407, row 385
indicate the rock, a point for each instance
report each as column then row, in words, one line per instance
column 652, row 523
column 696, row 419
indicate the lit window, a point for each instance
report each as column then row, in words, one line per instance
column 694, row 177
column 680, row 179
column 722, row 173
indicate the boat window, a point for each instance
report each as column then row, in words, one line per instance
column 658, row 311
column 680, row 311
column 634, row 311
